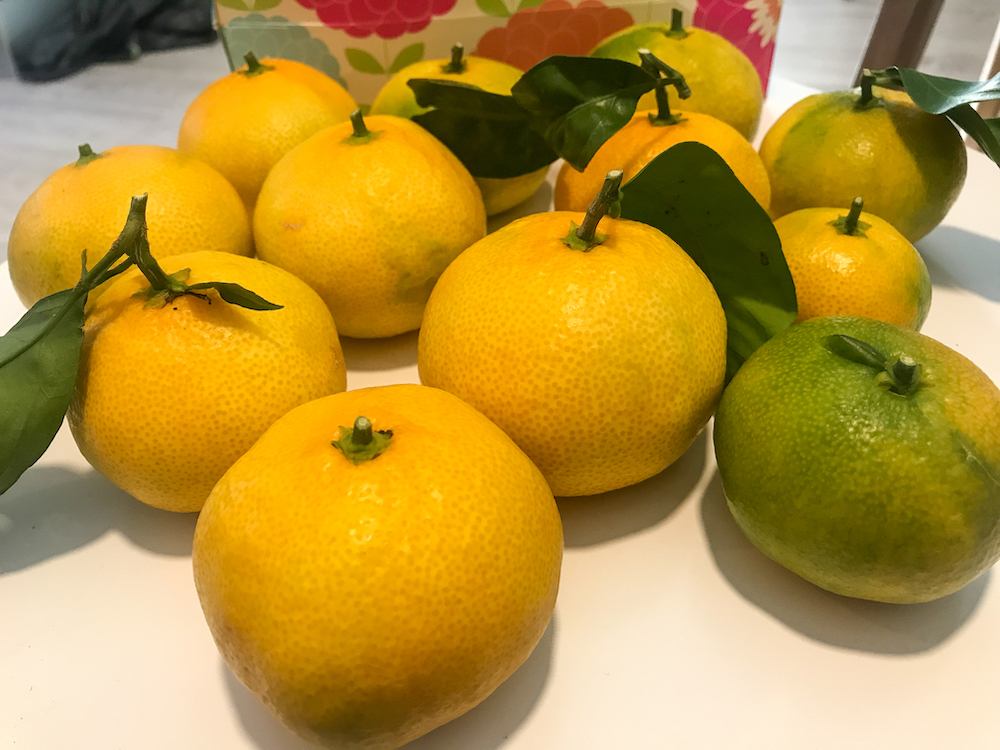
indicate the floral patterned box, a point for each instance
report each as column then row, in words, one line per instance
column 363, row 42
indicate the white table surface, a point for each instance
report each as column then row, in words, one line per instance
column 670, row 631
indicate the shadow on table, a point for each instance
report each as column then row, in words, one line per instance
column 52, row 510
column 957, row 258
column 830, row 618
column 485, row 727
column 593, row 519
column 370, row 355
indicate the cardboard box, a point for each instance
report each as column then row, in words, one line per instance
column 362, row 43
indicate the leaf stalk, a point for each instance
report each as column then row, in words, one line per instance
column 133, row 232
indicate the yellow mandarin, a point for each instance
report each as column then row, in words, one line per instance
column 603, row 365
column 369, row 221
column 168, row 398
column 366, row 604
column 82, row 207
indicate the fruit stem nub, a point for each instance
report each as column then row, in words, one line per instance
column 677, row 30
column 361, row 443
column 851, row 224
column 456, row 65
column 666, row 76
column 607, row 201
column 254, row 66
column 358, row 121
column 87, row 155
column 869, row 78
column 901, row 375
column 362, row 434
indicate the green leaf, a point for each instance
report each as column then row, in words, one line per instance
column 529, row 4
column 690, row 194
column 362, row 61
column 984, row 132
column 577, row 103
column 407, row 56
column 938, row 95
column 40, row 356
column 855, row 350
column 494, row 8
column 489, row 133
column 952, row 98
column 36, row 385
column 235, row 294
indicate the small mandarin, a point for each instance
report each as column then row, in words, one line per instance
column 369, row 213
column 641, row 140
column 649, row 133
column 601, row 361
column 82, row 207
column 377, row 564
column 168, row 398
column 853, row 264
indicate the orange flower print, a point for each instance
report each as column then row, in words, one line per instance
column 553, row 28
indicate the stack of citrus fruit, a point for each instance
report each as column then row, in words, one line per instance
column 245, row 122
column 830, row 148
column 569, row 353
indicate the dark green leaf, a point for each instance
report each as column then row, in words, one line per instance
column 984, row 132
column 35, row 387
column 362, row 61
column 234, row 294
column 577, row 103
column 489, row 133
column 938, row 95
column 529, row 4
column 407, row 56
column 494, row 8
column 690, row 194
column 855, row 350
column 954, row 99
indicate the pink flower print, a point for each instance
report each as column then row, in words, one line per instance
column 388, row 19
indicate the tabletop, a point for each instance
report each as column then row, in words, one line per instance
column 670, row 630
